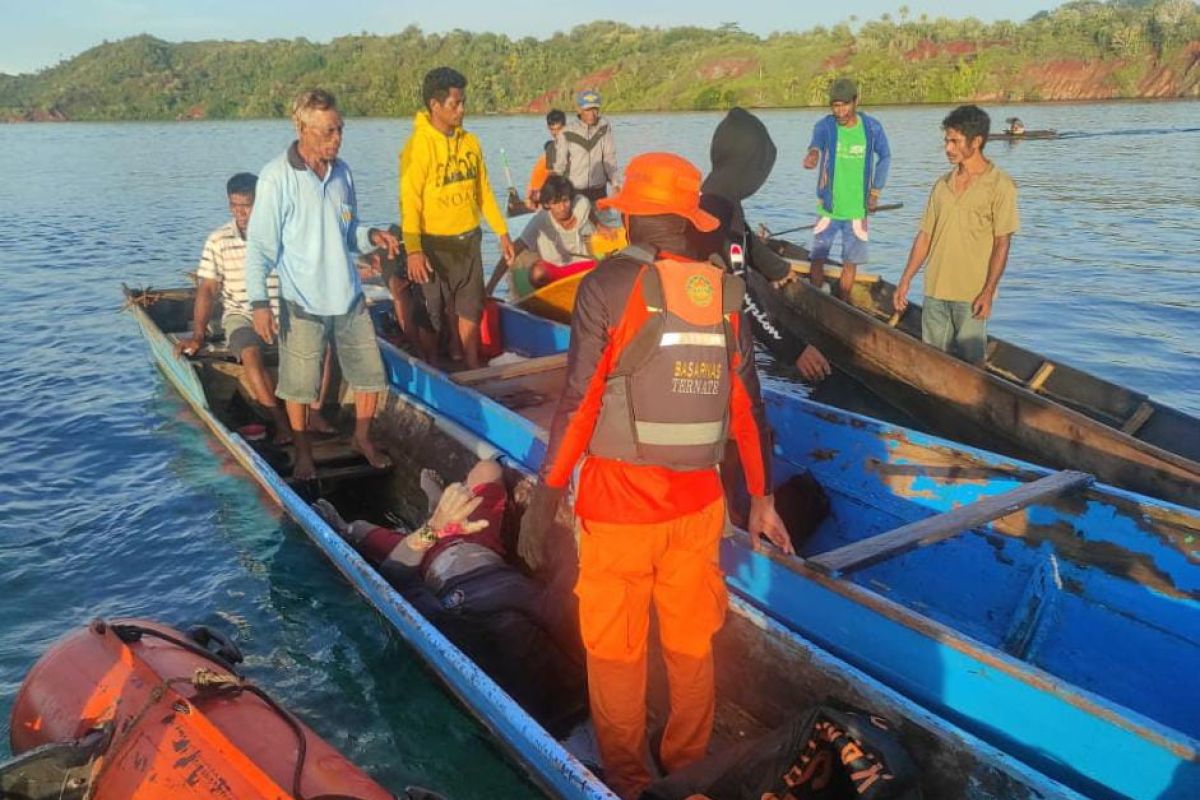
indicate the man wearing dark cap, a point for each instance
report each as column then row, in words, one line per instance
column 852, row 152
column 584, row 153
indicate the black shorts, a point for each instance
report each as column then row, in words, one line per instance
column 457, row 284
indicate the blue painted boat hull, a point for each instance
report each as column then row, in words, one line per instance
column 966, row 766
column 1060, row 634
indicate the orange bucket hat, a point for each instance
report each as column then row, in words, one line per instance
column 661, row 183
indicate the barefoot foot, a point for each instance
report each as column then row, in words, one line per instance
column 432, row 484
column 372, row 454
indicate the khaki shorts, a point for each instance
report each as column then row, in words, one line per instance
column 302, row 340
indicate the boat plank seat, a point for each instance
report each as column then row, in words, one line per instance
column 344, row 472
column 1039, row 378
column 832, row 272
column 334, row 458
column 1138, row 418
column 529, row 366
column 213, row 350
column 943, row 526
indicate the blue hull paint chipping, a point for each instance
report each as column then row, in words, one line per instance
column 1068, row 636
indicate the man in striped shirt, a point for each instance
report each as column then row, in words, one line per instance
column 223, row 268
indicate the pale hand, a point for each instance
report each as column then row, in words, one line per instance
column 765, row 521
column 981, row 308
column 813, row 365
column 418, row 268
column 456, row 505
column 810, row 160
column 900, row 297
column 506, row 249
column 265, row 325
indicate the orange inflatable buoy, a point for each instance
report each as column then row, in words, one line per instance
column 135, row 710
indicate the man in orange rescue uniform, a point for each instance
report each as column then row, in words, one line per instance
column 660, row 374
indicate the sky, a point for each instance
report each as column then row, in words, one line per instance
column 40, row 34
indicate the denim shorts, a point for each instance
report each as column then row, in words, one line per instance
column 302, row 339
column 950, row 326
column 854, row 239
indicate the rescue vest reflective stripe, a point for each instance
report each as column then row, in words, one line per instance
column 667, row 400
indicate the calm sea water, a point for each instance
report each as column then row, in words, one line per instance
column 114, row 502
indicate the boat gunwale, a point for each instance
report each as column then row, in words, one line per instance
column 1042, row 401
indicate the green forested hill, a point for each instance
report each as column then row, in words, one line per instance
column 1088, row 49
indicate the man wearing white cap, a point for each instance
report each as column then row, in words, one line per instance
column 584, row 152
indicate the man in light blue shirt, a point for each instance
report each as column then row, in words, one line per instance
column 305, row 227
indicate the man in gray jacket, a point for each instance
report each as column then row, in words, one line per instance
column 584, row 152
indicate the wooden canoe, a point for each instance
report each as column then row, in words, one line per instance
column 1022, row 403
column 1009, row 136
column 766, row 671
column 991, row 591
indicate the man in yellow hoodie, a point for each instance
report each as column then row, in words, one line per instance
column 444, row 191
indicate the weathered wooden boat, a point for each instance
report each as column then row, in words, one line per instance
column 135, row 710
column 1020, row 402
column 1051, row 625
column 767, row 672
column 1010, row 136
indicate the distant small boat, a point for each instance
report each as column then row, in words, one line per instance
column 516, row 206
column 1010, row 136
column 135, row 710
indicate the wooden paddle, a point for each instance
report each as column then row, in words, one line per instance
column 777, row 234
column 500, row 270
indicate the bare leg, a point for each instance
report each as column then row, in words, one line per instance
column 264, row 392
column 846, row 282
column 816, row 272
column 364, row 412
column 402, row 303
column 468, row 333
column 303, row 467
column 454, row 326
column 428, row 341
column 316, row 422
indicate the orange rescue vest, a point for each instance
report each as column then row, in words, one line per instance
column 666, row 403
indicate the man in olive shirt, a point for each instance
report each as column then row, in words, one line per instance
column 965, row 234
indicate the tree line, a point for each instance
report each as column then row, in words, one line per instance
column 896, row 59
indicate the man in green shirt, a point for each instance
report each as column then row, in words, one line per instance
column 854, row 158
column 965, row 234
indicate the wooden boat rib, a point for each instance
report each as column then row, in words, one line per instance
column 798, row 674
column 1007, row 629
column 1023, row 403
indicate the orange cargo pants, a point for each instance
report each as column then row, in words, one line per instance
column 622, row 568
